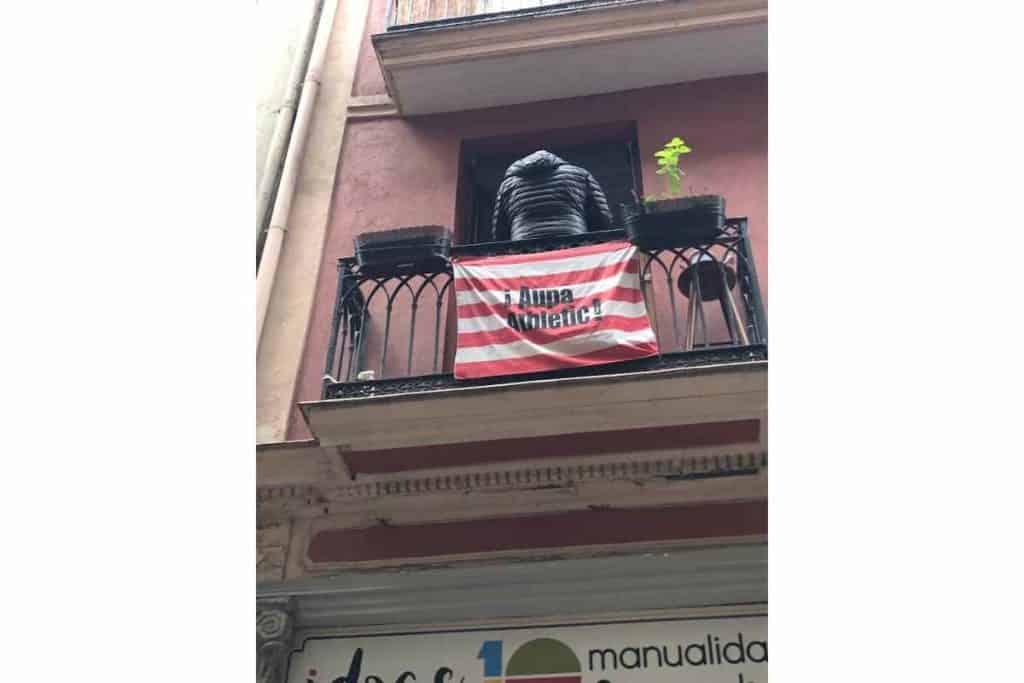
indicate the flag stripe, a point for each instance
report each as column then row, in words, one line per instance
column 581, row 294
column 540, row 268
column 497, row 318
column 550, row 280
column 541, row 256
column 585, row 341
column 545, row 336
column 515, row 366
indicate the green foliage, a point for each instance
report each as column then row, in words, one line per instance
column 668, row 163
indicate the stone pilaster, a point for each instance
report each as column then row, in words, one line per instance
column 275, row 623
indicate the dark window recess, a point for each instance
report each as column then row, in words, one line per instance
column 612, row 163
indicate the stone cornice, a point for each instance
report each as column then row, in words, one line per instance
column 530, row 476
column 646, row 479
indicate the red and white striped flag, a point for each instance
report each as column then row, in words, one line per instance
column 559, row 309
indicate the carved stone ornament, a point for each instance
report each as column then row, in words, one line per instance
column 274, row 626
column 271, row 546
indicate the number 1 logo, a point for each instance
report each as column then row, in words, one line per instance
column 490, row 652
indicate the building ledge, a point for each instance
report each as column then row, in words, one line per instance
column 709, row 358
column 671, row 397
column 587, row 49
column 293, row 463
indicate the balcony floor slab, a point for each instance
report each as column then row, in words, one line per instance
column 693, row 389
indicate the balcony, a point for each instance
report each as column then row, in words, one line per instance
column 707, row 386
column 452, row 55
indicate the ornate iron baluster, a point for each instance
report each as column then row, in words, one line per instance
column 670, row 284
column 758, row 323
column 341, row 305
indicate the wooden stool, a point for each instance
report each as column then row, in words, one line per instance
column 708, row 279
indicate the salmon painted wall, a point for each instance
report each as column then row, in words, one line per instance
column 368, row 78
column 398, row 172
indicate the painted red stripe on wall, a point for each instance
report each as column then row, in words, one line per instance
column 558, row 530
column 677, row 437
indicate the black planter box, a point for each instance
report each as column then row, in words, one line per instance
column 675, row 222
column 424, row 248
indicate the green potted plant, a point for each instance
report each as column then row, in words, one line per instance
column 674, row 218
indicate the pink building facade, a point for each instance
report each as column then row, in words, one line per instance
column 543, row 482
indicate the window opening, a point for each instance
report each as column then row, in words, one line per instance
column 610, row 155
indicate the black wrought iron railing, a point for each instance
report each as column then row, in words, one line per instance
column 412, row 13
column 394, row 332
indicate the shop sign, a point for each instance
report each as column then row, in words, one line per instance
column 731, row 649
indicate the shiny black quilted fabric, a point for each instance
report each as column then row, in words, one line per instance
column 543, row 196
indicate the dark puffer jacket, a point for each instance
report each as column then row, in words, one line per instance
column 543, row 196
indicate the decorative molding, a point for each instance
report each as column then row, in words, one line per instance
column 372, row 107
column 650, row 479
column 275, row 626
column 271, row 551
column 528, row 475
column 548, row 475
column 267, row 494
